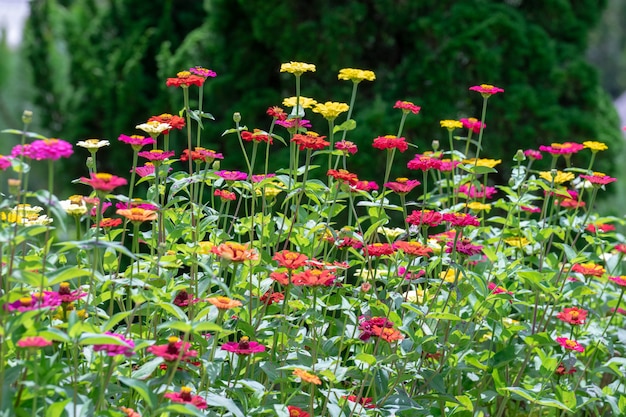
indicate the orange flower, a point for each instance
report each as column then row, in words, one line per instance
column 386, row 333
column 137, row 214
column 290, row 260
column 412, row 248
column 589, row 269
column 235, row 252
column 224, row 303
column 307, row 376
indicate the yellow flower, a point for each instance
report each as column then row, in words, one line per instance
column 356, row 75
column 305, row 102
column 450, row 274
column 414, row 296
column 271, row 189
column 330, row 110
column 451, row 124
column 595, row 146
column 518, row 242
column 297, row 68
column 477, row 206
column 205, row 247
column 483, row 162
column 560, row 177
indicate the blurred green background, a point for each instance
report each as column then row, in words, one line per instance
column 95, row 69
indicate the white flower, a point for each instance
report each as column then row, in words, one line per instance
column 92, row 144
column 72, row 208
column 154, row 127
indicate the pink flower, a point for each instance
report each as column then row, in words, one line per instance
column 175, row 349
column 156, row 155
column 573, row 315
column 260, row 177
column 203, row 72
column 598, row 178
column 473, row 192
column 424, row 163
column 570, row 344
column 65, row 294
column 461, row 219
column 5, row 162
column 232, row 175
column 463, row 246
column 113, row 350
column 19, row 150
column 294, row 123
column 425, row 218
column 567, row 148
column 407, row 107
column 33, row 342
column 486, row 90
column 531, row 209
column 34, row 302
column 51, row 149
column 104, row 182
column 363, row 186
column 620, row 280
column 136, row 141
column 390, row 142
column 402, row 271
column 495, row 289
column 145, row 170
column 533, row 154
column 448, row 165
column 347, row 147
column 402, row 185
column 185, row 397
column 243, row 347
column 473, row 124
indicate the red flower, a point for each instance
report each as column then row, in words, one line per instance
column 310, row 140
column 407, row 107
column 225, row 195
column 425, row 218
column 184, row 79
column 243, row 347
column 277, row 113
column 256, row 136
column 185, row 397
column 402, row 185
column 621, row 247
column 313, row 278
column 461, row 219
column 562, row 370
column 271, row 297
column 573, row 315
column 379, row 249
column 175, row 349
column 104, row 182
column 176, row 122
column 366, row 402
column 603, row 228
column 183, row 299
column 495, row 289
column 570, row 344
column 390, row 142
column 589, row 269
column 290, row 260
column 297, row 412
column 473, row 124
column 343, row 175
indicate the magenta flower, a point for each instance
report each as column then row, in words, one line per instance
column 104, row 182
column 407, row 107
column 570, row 344
column 402, row 185
column 203, row 72
column 598, row 178
column 533, row 154
column 156, row 155
column 495, row 289
column 5, row 162
column 294, row 123
column 113, row 350
column 185, row 397
column 19, row 150
column 473, row 124
column 50, row 149
column 567, row 148
column 34, row 302
column 347, row 147
column 134, row 204
column 619, row 280
column 473, row 192
column 65, row 294
column 363, row 186
column 33, row 342
column 461, row 219
column 448, row 165
column 486, row 90
column 243, row 347
column 136, row 141
column 390, row 142
column 232, row 175
column 424, row 163
column 463, row 246
column 175, row 349
column 260, row 177
column 147, row 169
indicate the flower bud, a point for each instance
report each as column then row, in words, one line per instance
column 27, row 117
column 216, row 165
column 90, row 163
column 435, row 145
column 519, row 156
column 237, row 117
column 554, row 173
column 14, row 186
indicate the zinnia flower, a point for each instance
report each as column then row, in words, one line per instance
column 136, row 141
column 65, row 294
column 307, row 376
column 176, row 122
column 402, row 185
column 297, row 68
column 224, row 303
column 50, row 149
column 366, row 402
column 33, row 342
column 203, row 72
column 379, row 249
column 620, row 280
column 390, row 142
column 231, row 175
column 35, row 301
column 407, row 107
column 486, row 90
column 533, row 154
column 92, row 144
column 356, row 75
column 589, row 269
column 310, row 140
column 330, row 110
column 425, row 218
column 305, row 102
column 185, row 397
column 271, row 297
column 570, row 344
column 573, row 315
column 256, row 136
column 235, row 252
column 277, row 113
column 567, row 148
column 461, row 219
column 347, row 147
column 175, row 349
column 154, row 128
column 598, row 178
column 137, row 214
column 451, row 124
column 559, row 177
column 290, row 260
column 473, row 124
column 424, row 163
column 243, row 347
column 412, row 248
column 5, row 162
column 125, row 349
column 225, row 195
column 184, row 79
column 343, row 175
column 294, row 124
column 296, row 412
column 156, row 155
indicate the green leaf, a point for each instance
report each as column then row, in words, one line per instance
column 183, row 409
column 347, row 126
column 366, row 357
column 67, row 274
column 234, row 130
column 99, row 339
column 443, row 316
column 56, row 409
column 219, row 401
column 21, row 132
column 181, row 326
column 466, row 402
column 142, row 389
column 147, row 368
